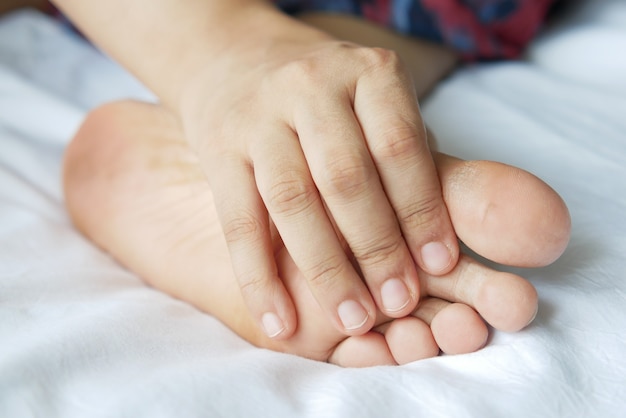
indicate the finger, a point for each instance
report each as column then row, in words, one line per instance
column 246, row 229
column 506, row 301
column 295, row 207
column 387, row 110
column 343, row 172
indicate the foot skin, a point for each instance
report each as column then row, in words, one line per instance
column 135, row 189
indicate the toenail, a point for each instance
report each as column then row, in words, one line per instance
column 534, row 315
column 352, row 314
column 394, row 295
column 436, row 257
column 272, row 324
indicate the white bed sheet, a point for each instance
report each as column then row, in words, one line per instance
column 82, row 337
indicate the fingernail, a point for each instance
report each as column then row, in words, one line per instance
column 395, row 295
column 436, row 257
column 272, row 325
column 352, row 314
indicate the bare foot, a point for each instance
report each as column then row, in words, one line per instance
column 135, row 189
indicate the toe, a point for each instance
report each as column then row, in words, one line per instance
column 506, row 301
column 456, row 328
column 366, row 350
column 410, row 339
column 504, row 213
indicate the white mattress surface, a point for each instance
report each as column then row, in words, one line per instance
column 82, row 337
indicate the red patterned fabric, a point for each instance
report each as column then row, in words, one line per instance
column 477, row 29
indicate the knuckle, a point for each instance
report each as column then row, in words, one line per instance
column 289, row 196
column 305, row 72
column 325, row 274
column 314, row 66
column 397, row 144
column 458, row 286
column 380, row 57
column 379, row 251
column 242, row 227
column 424, row 212
column 252, row 285
column 347, row 177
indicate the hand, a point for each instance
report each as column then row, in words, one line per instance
column 324, row 138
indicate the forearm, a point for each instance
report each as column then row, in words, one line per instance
column 166, row 42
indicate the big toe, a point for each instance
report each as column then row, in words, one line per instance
column 504, row 213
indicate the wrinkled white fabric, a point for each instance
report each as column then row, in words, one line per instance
column 82, row 337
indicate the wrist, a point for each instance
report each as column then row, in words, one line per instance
column 260, row 37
